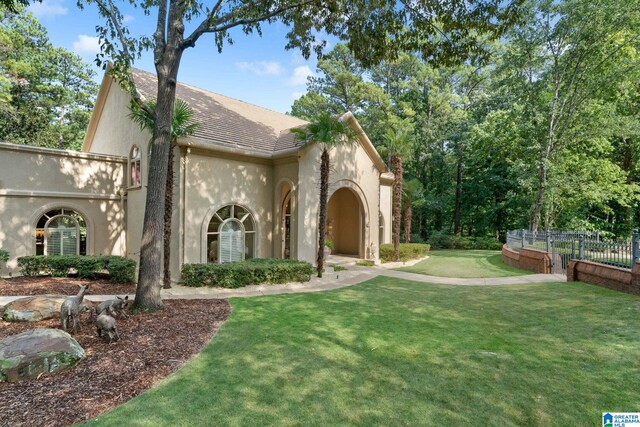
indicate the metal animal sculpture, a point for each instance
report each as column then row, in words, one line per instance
column 70, row 309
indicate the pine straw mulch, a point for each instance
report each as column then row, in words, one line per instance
column 152, row 346
column 61, row 285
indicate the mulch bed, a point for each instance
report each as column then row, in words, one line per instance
column 61, row 285
column 152, row 346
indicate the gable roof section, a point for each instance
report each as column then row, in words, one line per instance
column 226, row 121
column 228, row 124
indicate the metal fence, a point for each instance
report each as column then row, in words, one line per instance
column 585, row 245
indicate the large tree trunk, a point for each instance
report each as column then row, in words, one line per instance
column 150, row 272
column 458, row 201
column 396, row 165
column 537, row 206
column 407, row 221
column 168, row 213
column 322, row 216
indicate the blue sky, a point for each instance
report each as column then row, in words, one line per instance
column 254, row 69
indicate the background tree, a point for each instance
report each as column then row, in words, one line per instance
column 398, row 144
column 440, row 31
column 46, row 93
column 182, row 125
column 328, row 132
column 413, row 192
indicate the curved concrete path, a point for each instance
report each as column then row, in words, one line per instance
column 333, row 280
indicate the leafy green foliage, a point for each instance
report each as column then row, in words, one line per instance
column 120, row 269
column 407, row 251
column 4, row 255
column 46, row 93
column 441, row 240
column 244, row 273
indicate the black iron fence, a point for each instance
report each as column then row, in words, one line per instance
column 585, row 245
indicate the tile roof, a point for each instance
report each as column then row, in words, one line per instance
column 228, row 122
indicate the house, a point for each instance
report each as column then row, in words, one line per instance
column 244, row 187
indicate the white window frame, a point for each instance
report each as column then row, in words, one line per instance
column 243, row 230
column 132, row 162
column 46, row 234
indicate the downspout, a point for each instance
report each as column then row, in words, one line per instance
column 183, row 211
column 122, row 192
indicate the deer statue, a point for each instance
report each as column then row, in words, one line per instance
column 70, row 308
column 118, row 305
column 106, row 322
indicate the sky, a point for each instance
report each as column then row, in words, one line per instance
column 254, row 69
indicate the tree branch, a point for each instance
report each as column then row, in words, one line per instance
column 206, row 26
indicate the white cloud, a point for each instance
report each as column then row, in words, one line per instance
column 128, row 18
column 86, row 45
column 261, row 68
column 300, row 74
column 48, row 9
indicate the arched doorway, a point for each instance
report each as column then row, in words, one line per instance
column 345, row 223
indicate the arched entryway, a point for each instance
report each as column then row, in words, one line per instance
column 345, row 223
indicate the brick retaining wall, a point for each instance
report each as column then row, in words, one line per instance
column 527, row 259
column 607, row 276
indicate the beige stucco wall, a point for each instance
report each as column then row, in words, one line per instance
column 285, row 177
column 212, row 182
column 351, row 167
column 34, row 180
column 115, row 133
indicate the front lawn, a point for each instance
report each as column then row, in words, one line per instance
column 464, row 263
column 393, row 352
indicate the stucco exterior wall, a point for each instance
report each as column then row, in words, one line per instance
column 351, row 168
column 285, row 177
column 213, row 182
column 35, row 180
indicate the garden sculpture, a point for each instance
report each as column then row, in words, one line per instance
column 118, row 305
column 106, row 323
column 70, row 308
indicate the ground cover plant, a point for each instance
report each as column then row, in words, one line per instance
column 459, row 263
column 395, row 352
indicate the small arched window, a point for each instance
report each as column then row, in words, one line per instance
column 135, row 169
column 231, row 235
column 380, row 228
column 61, row 232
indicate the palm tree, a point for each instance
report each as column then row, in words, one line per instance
column 329, row 132
column 398, row 143
column 182, row 125
column 413, row 196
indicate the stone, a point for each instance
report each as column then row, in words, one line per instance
column 37, row 352
column 33, row 309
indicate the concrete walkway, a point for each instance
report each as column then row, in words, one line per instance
column 332, row 280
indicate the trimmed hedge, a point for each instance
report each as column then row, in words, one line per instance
column 407, row 251
column 249, row 272
column 447, row 241
column 120, row 269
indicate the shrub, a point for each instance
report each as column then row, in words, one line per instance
column 244, row 273
column 328, row 243
column 441, row 240
column 365, row 263
column 4, row 256
column 120, row 269
column 407, row 251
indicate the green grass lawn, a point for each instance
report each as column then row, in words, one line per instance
column 391, row 352
column 464, row 263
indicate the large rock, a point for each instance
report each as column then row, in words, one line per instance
column 36, row 352
column 33, row 309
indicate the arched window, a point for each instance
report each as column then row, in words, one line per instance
column 380, row 229
column 231, row 235
column 61, row 232
column 135, row 169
